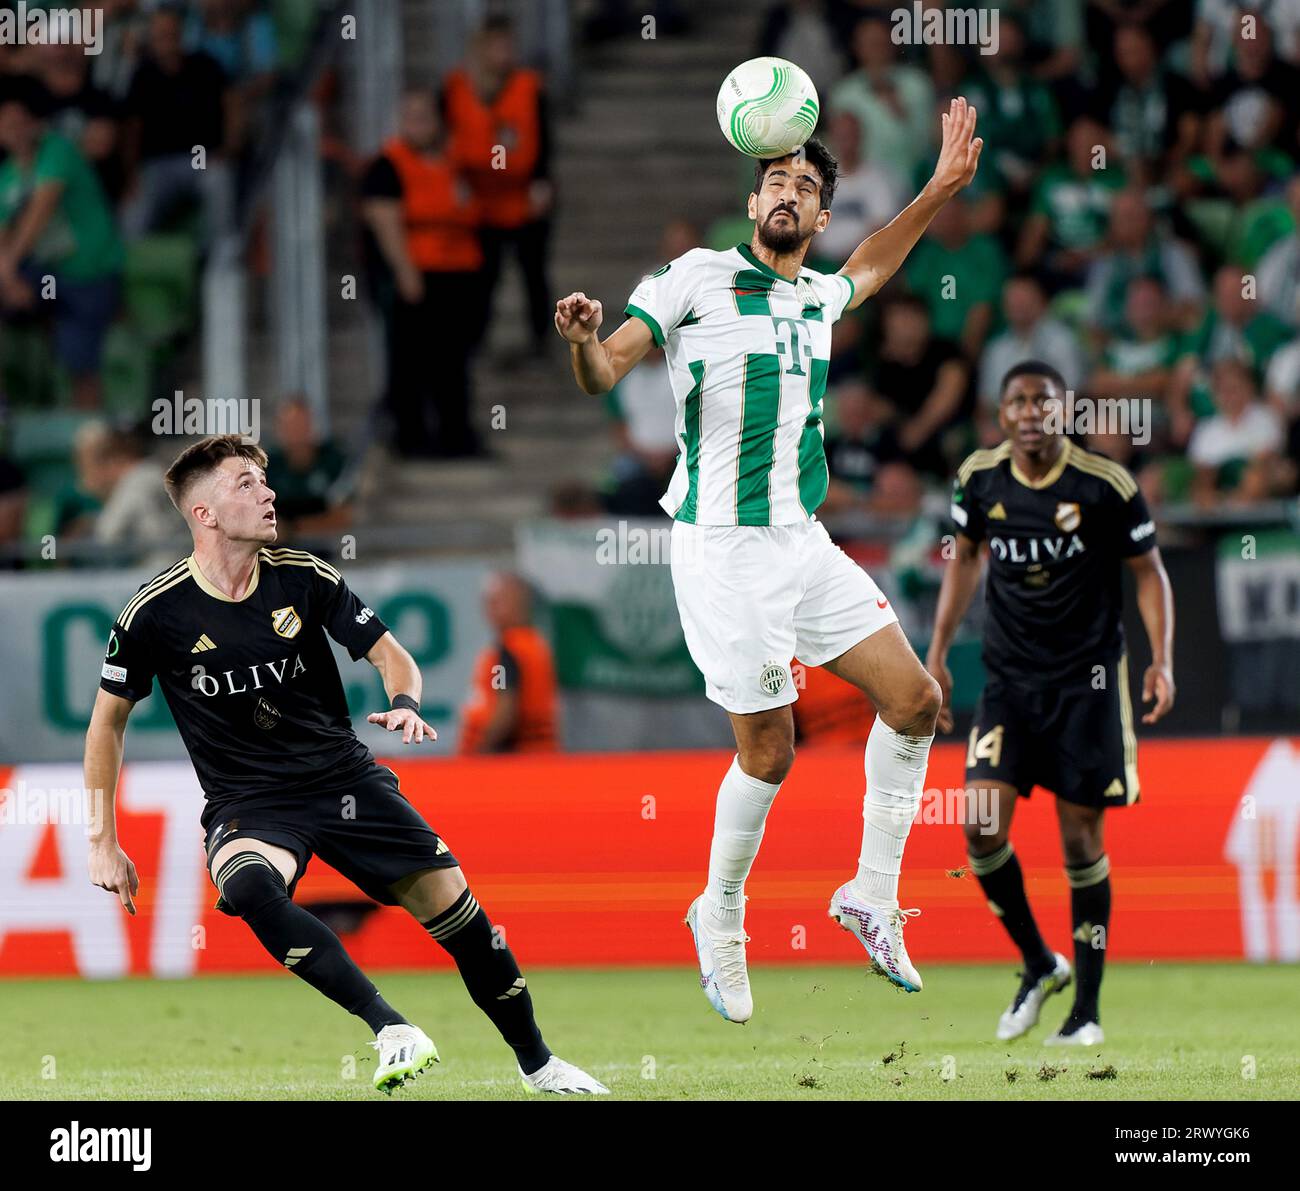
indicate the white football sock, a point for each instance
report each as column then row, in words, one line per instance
column 743, row 803
column 895, row 779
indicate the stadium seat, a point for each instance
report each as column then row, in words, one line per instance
column 40, row 441
column 128, row 371
column 161, row 286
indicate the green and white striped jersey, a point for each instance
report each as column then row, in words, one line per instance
column 747, row 354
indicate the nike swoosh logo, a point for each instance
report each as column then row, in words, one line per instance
column 882, row 603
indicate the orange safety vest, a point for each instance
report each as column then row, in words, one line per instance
column 535, row 686
column 438, row 210
column 512, row 121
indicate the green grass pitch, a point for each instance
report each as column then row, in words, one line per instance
column 1173, row 1032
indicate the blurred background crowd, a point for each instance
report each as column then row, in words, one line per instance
column 359, row 217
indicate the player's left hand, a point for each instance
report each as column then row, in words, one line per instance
column 959, row 154
column 412, row 727
column 1158, row 684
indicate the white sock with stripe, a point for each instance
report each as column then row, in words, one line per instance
column 743, row 803
column 895, row 767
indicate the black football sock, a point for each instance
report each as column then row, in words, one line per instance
column 491, row 976
column 254, row 889
column 1090, row 912
column 1003, row 883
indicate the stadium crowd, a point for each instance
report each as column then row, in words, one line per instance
column 1135, row 222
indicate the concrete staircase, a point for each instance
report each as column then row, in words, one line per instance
column 637, row 146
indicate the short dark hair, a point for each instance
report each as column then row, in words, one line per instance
column 202, row 457
column 815, row 152
column 1032, row 368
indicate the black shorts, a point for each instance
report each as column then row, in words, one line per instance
column 365, row 829
column 1076, row 740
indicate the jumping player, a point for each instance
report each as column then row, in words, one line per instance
column 747, row 337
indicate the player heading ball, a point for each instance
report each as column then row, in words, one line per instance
column 747, row 335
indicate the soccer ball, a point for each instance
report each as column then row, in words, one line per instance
column 767, row 107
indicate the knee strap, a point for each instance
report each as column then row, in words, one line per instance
column 248, row 882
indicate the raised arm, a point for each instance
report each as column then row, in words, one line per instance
column 879, row 256
column 960, row 579
column 110, row 868
column 1155, row 598
column 597, row 366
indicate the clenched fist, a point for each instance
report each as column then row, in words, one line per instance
column 577, row 318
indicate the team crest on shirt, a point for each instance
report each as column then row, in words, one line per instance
column 266, row 715
column 772, row 678
column 286, row 621
column 804, row 292
column 1067, row 516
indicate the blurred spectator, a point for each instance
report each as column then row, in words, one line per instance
column 500, row 129
column 925, row 380
column 1249, row 219
column 798, row 31
column 126, row 29
column 1136, row 247
column 80, row 111
column 425, row 257
column 1031, row 334
column 893, row 102
column 959, row 275
column 867, row 196
column 862, row 442
column 1236, row 450
column 307, row 473
column 1152, row 111
column 1018, row 118
column 1218, row 27
column 644, row 411
column 177, row 100
column 1055, row 33
column 13, row 512
column 1070, row 208
column 1139, row 358
column 1279, row 269
column 1282, row 382
column 136, row 516
column 240, row 39
column 58, row 242
column 512, row 703
column 1250, row 101
column 1235, row 327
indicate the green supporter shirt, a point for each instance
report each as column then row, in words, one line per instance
column 977, row 270
column 1077, row 209
column 80, row 241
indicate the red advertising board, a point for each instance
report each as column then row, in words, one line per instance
column 592, row 860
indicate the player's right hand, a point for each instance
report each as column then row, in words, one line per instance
column 111, row 869
column 578, row 317
column 943, row 676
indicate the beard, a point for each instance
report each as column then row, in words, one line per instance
column 783, row 237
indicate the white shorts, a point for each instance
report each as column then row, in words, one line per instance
column 752, row 598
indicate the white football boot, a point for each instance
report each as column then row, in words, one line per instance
column 1022, row 1016
column 1087, row 1034
column 723, row 975
column 880, row 931
column 404, row 1051
column 563, row 1079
